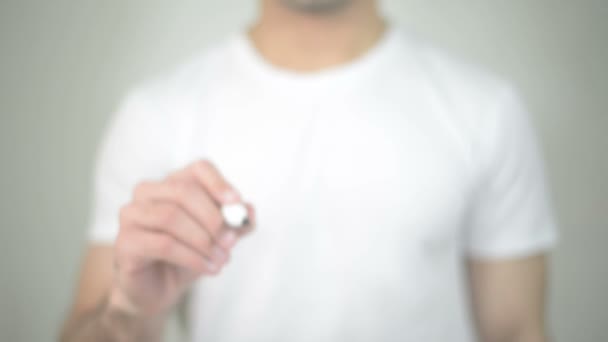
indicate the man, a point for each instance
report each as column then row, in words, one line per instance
column 399, row 193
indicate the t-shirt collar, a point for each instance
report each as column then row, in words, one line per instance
column 249, row 58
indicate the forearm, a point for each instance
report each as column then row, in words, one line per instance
column 109, row 324
column 508, row 298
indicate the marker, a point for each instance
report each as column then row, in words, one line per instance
column 235, row 215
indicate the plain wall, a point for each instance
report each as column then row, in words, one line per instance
column 65, row 65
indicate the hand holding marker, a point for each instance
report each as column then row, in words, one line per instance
column 172, row 232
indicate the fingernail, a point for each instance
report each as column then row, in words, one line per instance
column 218, row 254
column 211, row 266
column 229, row 239
column 230, row 196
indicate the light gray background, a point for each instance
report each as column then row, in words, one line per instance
column 65, row 64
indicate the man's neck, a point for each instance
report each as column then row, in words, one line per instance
column 309, row 42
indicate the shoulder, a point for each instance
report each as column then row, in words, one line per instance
column 186, row 80
column 155, row 110
column 451, row 75
column 476, row 106
column 470, row 95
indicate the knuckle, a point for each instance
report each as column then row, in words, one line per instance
column 205, row 163
column 223, row 190
column 199, row 266
column 203, row 242
column 122, row 245
column 216, row 222
column 202, row 164
column 141, row 189
column 219, row 184
column 164, row 245
column 124, row 215
column 168, row 215
column 212, row 229
column 181, row 191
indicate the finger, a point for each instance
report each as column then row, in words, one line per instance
column 145, row 245
column 214, row 183
column 171, row 219
column 190, row 196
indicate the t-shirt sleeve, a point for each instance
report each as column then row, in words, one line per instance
column 512, row 213
column 134, row 148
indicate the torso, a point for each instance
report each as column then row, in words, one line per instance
column 360, row 196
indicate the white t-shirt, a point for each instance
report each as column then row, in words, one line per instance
column 372, row 181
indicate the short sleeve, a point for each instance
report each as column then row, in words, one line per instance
column 511, row 214
column 135, row 147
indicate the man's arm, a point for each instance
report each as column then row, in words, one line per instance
column 170, row 234
column 93, row 317
column 508, row 298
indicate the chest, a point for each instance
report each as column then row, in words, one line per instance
column 359, row 203
column 359, row 167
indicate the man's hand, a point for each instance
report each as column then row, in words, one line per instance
column 171, row 233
